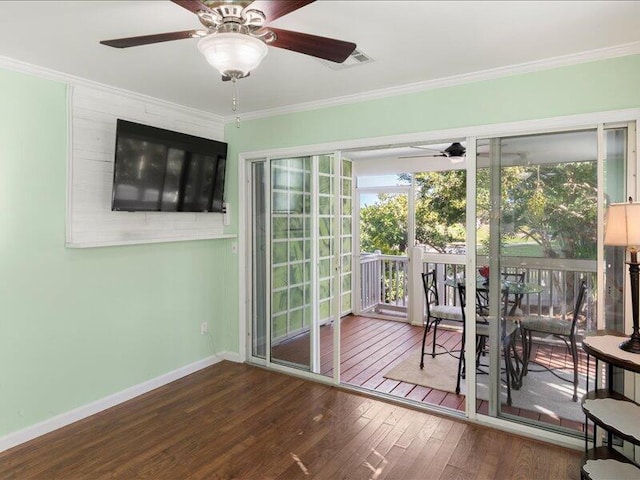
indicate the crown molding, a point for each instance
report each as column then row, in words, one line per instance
column 494, row 73
column 49, row 74
column 527, row 67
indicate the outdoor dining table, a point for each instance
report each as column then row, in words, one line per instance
column 508, row 288
column 518, row 289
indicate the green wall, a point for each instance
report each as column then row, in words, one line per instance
column 589, row 87
column 80, row 324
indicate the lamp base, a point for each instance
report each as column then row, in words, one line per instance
column 632, row 345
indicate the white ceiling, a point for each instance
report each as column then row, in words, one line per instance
column 410, row 41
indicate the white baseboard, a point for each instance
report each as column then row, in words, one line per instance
column 21, row 436
column 231, row 356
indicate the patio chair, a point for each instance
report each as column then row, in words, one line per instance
column 435, row 312
column 563, row 329
column 507, row 330
column 512, row 307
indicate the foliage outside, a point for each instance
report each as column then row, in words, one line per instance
column 546, row 211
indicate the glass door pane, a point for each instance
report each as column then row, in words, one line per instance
column 291, row 269
column 325, row 249
column 537, row 232
column 615, row 273
column 258, row 261
column 346, row 237
column 615, row 167
column 309, row 250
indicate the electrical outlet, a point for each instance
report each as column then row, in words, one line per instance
column 204, row 328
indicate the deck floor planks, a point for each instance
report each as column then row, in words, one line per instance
column 366, row 340
column 451, row 339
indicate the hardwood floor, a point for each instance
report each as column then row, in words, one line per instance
column 370, row 347
column 242, row 422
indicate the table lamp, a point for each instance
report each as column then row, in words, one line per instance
column 623, row 229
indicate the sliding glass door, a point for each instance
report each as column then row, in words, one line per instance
column 536, row 203
column 537, row 219
column 301, row 262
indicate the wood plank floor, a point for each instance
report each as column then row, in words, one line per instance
column 234, row 421
column 370, row 347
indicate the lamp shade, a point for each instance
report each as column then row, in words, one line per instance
column 233, row 54
column 623, row 224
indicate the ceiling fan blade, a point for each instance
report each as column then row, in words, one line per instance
column 322, row 47
column 426, row 148
column 273, row 9
column 192, row 5
column 423, row 156
column 147, row 39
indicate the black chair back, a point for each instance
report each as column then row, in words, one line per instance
column 514, row 277
column 517, row 301
column 429, row 283
column 579, row 303
column 462, row 295
column 480, row 309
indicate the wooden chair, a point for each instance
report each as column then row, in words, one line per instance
column 563, row 329
column 435, row 312
column 507, row 330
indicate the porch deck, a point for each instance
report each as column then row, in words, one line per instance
column 370, row 347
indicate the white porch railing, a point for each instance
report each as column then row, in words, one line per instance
column 387, row 284
column 384, row 283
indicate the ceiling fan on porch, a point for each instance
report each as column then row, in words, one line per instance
column 455, row 152
column 236, row 34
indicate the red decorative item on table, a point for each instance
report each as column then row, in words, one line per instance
column 484, row 271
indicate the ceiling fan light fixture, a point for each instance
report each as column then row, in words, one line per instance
column 233, row 54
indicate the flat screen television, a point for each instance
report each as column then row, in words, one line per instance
column 158, row 170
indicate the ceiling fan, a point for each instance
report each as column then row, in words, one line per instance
column 236, row 34
column 455, row 152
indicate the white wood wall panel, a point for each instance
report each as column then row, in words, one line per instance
column 90, row 221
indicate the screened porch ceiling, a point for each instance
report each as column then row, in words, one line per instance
column 564, row 147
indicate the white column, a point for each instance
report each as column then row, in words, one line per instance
column 416, row 292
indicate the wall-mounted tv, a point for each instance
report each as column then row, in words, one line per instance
column 158, row 170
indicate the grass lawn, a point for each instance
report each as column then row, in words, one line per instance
column 523, row 250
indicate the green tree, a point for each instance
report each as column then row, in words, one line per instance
column 552, row 205
column 441, row 203
column 555, row 206
column 384, row 225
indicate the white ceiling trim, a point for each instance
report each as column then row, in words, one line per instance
column 548, row 63
column 48, row 74
column 555, row 62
